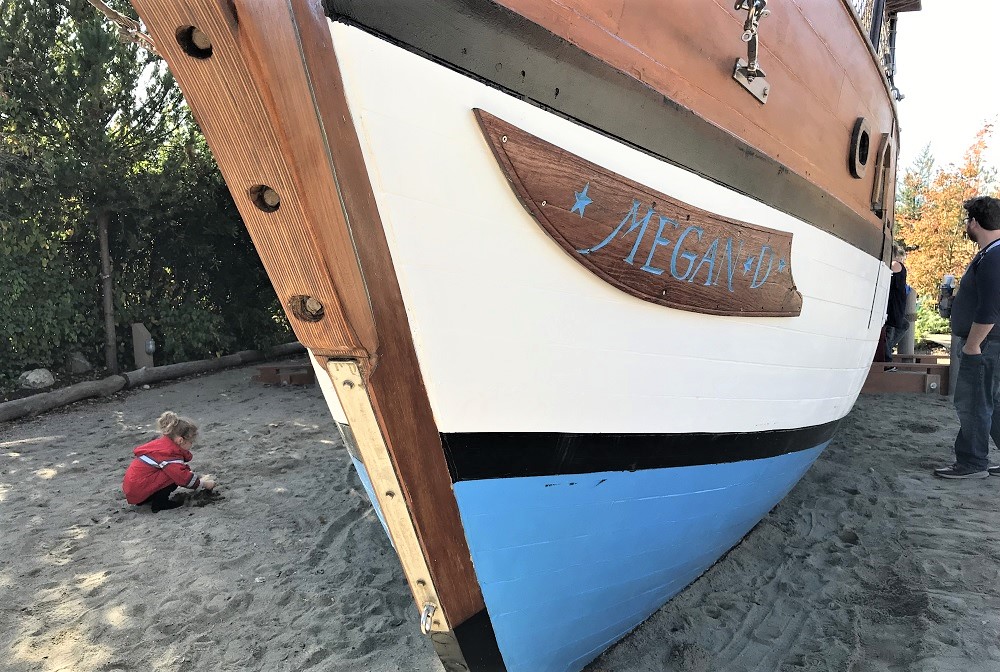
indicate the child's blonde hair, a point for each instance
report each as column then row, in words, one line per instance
column 172, row 425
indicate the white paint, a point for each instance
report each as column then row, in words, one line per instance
column 514, row 335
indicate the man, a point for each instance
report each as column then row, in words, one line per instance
column 973, row 315
column 896, row 323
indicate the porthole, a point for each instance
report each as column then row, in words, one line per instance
column 861, row 141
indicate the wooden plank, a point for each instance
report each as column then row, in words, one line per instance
column 813, row 53
column 229, row 102
column 906, row 378
column 393, row 377
column 879, row 380
column 921, row 359
column 353, row 395
column 615, row 227
column 933, row 383
column 931, row 368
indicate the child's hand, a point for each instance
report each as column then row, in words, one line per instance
column 207, row 483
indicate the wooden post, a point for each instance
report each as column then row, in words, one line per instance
column 906, row 345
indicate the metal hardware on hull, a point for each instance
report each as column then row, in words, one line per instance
column 427, row 618
column 748, row 72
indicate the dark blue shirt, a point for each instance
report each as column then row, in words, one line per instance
column 978, row 297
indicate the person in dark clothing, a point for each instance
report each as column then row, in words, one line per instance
column 974, row 315
column 896, row 323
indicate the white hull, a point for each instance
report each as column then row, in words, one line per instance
column 513, row 335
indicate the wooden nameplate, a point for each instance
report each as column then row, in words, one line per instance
column 644, row 242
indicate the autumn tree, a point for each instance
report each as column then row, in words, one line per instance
column 930, row 217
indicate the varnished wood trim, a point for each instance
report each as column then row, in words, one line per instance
column 482, row 455
column 394, row 381
column 233, row 110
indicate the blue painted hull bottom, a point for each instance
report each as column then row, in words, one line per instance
column 569, row 564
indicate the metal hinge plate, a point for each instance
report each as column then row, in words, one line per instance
column 756, row 85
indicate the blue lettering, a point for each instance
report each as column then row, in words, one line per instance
column 755, row 283
column 631, row 214
column 659, row 240
column 689, row 256
column 709, row 258
column 731, row 261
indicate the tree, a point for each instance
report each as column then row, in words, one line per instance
column 914, row 185
column 105, row 175
column 930, row 217
column 94, row 112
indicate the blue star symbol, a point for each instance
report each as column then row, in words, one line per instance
column 582, row 200
column 781, row 265
column 748, row 265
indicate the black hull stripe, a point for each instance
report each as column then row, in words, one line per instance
column 502, row 49
column 478, row 643
column 481, row 455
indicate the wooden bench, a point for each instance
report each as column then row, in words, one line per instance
column 300, row 373
column 907, row 377
column 920, row 359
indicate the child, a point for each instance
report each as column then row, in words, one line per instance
column 160, row 466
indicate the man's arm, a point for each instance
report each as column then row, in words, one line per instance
column 978, row 333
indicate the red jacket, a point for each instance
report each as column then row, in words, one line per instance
column 142, row 479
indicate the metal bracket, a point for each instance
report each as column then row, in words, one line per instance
column 748, row 72
column 754, row 83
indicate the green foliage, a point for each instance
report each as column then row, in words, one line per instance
column 929, row 322
column 91, row 126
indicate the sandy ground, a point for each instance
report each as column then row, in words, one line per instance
column 869, row 564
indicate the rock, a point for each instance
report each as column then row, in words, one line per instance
column 37, row 379
column 77, row 363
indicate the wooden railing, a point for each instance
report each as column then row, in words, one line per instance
column 874, row 20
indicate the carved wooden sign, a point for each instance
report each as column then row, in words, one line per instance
column 642, row 241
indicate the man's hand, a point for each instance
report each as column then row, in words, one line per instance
column 978, row 333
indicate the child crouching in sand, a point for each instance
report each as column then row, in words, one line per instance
column 160, row 466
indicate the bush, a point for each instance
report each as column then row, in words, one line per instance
column 929, row 322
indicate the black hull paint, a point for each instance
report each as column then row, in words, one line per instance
column 482, row 455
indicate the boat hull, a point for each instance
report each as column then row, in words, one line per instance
column 604, row 451
column 514, row 336
column 476, row 368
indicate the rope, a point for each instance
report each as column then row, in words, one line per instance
column 129, row 30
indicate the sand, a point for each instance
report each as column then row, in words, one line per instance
column 869, row 564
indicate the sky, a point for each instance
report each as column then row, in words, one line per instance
column 947, row 68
